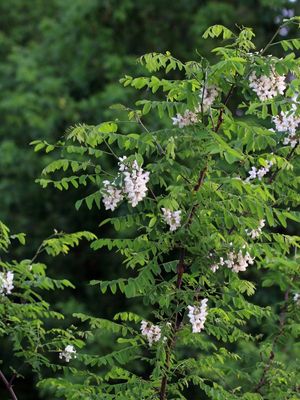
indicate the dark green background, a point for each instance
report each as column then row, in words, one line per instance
column 60, row 65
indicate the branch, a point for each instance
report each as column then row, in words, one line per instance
column 196, row 188
column 8, row 386
column 178, row 316
column 41, row 247
column 289, row 156
column 220, row 118
column 181, row 265
column 272, row 39
column 139, row 121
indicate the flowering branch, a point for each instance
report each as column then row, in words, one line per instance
column 179, row 316
column 181, row 264
column 228, row 229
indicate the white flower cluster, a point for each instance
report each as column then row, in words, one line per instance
column 197, row 316
column 267, row 87
column 135, row 182
column 238, row 261
column 288, row 122
column 188, row 118
column 172, row 218
column 259, row 173
column 112, row 196
column 6, row 282
column 291, row 140
column 255, row 233
column 296, row 298
column 235, row 261
column 215, row 267
column 208, row 95
column 151, row 331
column 134, row 185
column 68, row 353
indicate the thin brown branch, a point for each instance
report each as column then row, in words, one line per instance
column 220, row 118
column 196, row 188
column 8, row 386
column 200, row 179
column 178, row 316
column 41, row 248
column 181, row 264
column 163, row 386
column 12, row 379
column 139, row 121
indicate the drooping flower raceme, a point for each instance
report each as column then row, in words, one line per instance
column 255, row 233
column 172, row 218
column 112, row 195
column 186, row 119
column 6, row 282
column 132, row 184
column 291, row 140
column 197, row 316
column 135, row 183
column 236, row 261
column 151, row 331
column 68, row 353
column 288, row 122
column 267, row 87
column 259, row 173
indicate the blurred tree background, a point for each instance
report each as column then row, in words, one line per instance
column 60, row 65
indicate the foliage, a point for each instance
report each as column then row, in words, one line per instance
column 29, row 326
column 225, row 173
column 59, row 66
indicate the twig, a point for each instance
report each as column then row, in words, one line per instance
column 175, row 328
column 181, row 264
column 289, row 156
column 186, row 179
column 139, row 121
column 272, row 39
column 8, row 386
column 41, row 247
column 110, row 149
column 178, row 316
column 12, row 379
column 153, row 195
column 220, row 118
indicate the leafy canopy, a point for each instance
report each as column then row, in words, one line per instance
column 202, row 210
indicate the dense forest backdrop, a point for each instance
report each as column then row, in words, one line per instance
column 60, row 65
